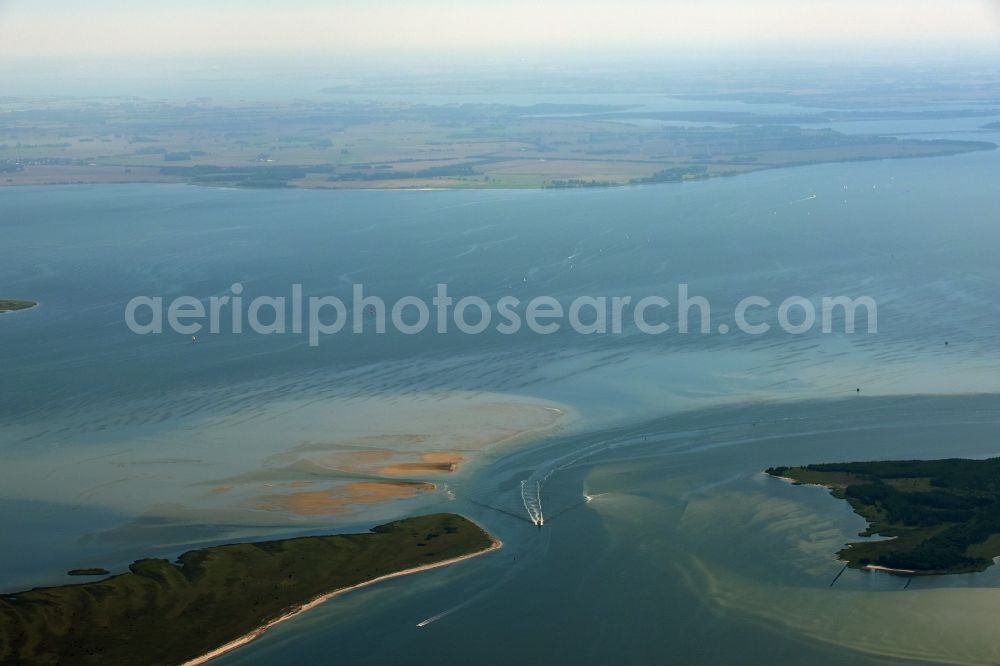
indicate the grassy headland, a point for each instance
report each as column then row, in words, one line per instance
column 943, row 515
column 168, row 613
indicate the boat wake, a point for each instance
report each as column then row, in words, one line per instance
column 531, row 495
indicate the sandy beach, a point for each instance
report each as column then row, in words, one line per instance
column 876, row 567
column 298, row 610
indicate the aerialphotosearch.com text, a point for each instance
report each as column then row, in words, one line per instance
column 321, row 316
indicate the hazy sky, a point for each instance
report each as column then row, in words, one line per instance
column 81, row 27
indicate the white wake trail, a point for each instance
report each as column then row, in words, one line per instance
column 531, row 495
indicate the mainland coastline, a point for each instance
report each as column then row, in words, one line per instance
column 539, row 146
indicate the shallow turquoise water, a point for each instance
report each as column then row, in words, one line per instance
column 686, row 554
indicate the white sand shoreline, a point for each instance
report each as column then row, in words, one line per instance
column 878, row 567
column 309, row 605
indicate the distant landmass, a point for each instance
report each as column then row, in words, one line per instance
column 216, row 599
column 328, row 145
column 12, row 305
column 941, row 516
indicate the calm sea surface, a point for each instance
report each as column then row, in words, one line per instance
column 683, row 552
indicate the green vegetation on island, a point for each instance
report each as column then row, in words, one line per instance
column 12, row 305
column 942, row 516
column 168, row 613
